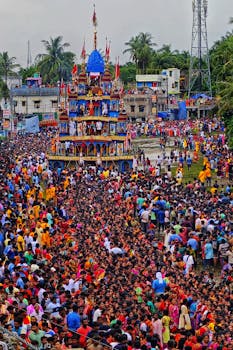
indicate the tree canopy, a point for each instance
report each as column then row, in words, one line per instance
column 56, row 63
column 8, row 66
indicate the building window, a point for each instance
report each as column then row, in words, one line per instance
column 15, row 103
column 54, row 103
column 170, row 73
column 23, row 103
column 132, row 108
column 141, row 108
column 37, row 104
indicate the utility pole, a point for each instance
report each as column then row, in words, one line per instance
column 29, row 56
column 199, row 71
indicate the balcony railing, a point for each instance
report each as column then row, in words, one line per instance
column 43, row 91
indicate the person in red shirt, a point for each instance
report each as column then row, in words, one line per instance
column 83, row 331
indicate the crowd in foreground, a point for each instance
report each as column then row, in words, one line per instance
column 94, row 259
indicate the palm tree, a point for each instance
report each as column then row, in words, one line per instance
column 56, row 63
column 7, row 66
column 140, row 50
column 221, row 59
column 4, row 91
column 225, row 104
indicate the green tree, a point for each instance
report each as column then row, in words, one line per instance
column 222, row 77
column 4, row 91
column 140, row 49
column 56, row 63
column 128, row 73
column 225, row 105
column 27, row 72
column 221, row 60
column 7, row 66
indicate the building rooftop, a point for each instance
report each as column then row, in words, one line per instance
column 35, row 91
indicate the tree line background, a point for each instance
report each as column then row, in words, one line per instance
column 56, row 63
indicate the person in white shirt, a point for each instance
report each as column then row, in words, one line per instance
column 145, row 219
column 189, row 262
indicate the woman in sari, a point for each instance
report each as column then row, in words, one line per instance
column 184, row 320
column 173, row 312
column 166, row 329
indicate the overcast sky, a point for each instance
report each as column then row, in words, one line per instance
column 169, row 21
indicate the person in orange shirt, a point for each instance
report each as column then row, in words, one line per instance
column 202, row 176
column 208, row 175
column 83, row 331
column 46, row 240
column 66, row 183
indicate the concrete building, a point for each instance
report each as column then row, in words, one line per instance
column 138, row 106
column 167, row 83
column 34, row 100
column 154, row 93
column 173, row 80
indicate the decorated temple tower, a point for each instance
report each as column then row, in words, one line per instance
column 93, row 129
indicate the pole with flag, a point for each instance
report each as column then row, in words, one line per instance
column 83, row 53
column 94, row 21
column 62, row 87
column 107, row 51
column 117, row 69
column 74, row 70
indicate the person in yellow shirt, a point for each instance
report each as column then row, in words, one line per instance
column 106, row 173
column 202, row 176
column 46, row 240
column 52, row 192
column 36, row 211
column 20, row 242
column 66, row 182
column 208, row 175
column 8, row 213
column 197, row 146
column 39, row 231
column 48, row 194
column 134, row 176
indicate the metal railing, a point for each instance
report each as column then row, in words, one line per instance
column 17, row 338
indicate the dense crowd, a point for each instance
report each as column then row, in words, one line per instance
column 95, row 259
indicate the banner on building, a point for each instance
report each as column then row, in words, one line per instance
column 6, row 124
column 6, row 113
column 32, row 125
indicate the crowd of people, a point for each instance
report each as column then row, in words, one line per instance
column 95, row 259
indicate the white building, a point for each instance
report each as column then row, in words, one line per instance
column 173, row 75
column 34, row 100
column 155, row 82
column 166, row 84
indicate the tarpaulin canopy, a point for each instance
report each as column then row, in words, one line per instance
column 195, row 97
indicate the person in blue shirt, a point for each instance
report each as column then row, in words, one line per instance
column 159, row 284
column 161, row 218
column 209, row 254
column 193, row 307
column 192, row 242
column 189, row 162
column 19, row 282
column 174, row 237
column 73, row 319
